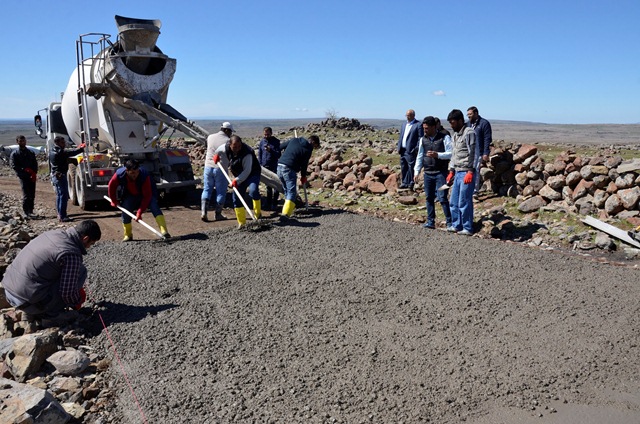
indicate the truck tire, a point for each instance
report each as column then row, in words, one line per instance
column 80, row 191
column 71, row 181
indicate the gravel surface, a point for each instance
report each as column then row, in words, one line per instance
column 346, row 318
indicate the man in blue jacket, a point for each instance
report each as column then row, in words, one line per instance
column 410, row 135
column 482, row 128
column 268, row 155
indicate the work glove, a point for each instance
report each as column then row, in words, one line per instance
column 83, row 298
column 468, row 178
column 32, row 175
column 139, row 215
column 450, row 177
column 82, row 146
column 216, row 158
column 303, row 180
column 234, row 183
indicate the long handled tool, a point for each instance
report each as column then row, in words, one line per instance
column 304, row 185
column 144, row 224
column 237, row 192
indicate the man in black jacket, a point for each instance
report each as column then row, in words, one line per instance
column 23, row 161
column 59, row 163
column 295, row 158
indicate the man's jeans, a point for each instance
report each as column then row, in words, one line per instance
column 214, row 179
column 132, row 204
column 289, row 180
column 461, row 202
column 62, row 194
column 432, row 182
column 253, row 184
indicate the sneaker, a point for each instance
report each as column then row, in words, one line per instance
column 452, row 229
column 66, row 219
column 465, row 233
column 220, row 217
column 429, row 226
column 204, row 218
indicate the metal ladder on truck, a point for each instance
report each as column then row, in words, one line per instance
column 90, row 52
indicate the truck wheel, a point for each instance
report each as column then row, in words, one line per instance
column 71, row 181
column 80, row 194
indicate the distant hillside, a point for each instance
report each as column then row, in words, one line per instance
column 512, row 131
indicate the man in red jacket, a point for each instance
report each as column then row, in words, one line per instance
column 132, row 186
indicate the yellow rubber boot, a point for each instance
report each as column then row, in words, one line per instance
column 257, row 209
column 163, row 226
column 128, row 232
column 288, row 207
column 241, row 216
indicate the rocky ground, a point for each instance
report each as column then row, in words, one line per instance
column 346, row 317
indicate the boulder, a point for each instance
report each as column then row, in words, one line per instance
column 583, row 188
column 524, row 152
column 23, row 403
column 629, row 197
column 30, row 351
column 549, row 193
column 613, row 204
column 69, row 362
column 556, row 182
column 376, row 187
column 532, row 204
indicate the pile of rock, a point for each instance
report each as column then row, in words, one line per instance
column 50, row 375
column 353, row 175
column 603, row 184
column 341, row 124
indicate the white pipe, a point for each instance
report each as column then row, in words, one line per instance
column 149, row 227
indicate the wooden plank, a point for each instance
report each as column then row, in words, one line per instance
column 611, row 230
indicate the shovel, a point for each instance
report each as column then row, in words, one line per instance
column 144, row 224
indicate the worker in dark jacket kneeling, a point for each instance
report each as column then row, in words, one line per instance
column 133, row 188
column 48, row 274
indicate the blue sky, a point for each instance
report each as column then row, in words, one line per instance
column 542, row 61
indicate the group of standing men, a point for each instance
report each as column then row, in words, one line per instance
column 447, row 162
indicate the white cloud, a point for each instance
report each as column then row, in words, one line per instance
column 301, row 109
column 439, row 93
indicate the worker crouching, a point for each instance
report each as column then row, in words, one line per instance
column 133, row 188
column 295, row 158
column 238, row 158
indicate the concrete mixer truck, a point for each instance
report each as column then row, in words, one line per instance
column 116, row 102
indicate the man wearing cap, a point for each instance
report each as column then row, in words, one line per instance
column 59, row 165
column 213, row 177
column 295, row 158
